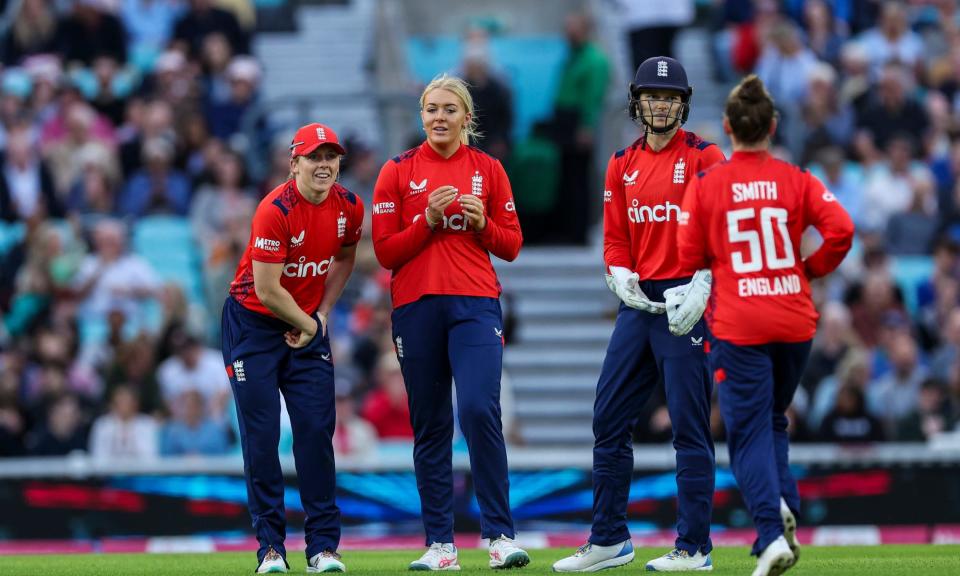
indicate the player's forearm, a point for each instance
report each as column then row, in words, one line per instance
column 337, row 278
column 277, row 300
column 396, row 249
column 504, row 242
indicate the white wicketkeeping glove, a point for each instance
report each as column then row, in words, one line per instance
column 686, row 303
column 625, row 284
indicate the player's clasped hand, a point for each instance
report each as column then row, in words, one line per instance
column 686, row 303
column 625, row 284
column 473, row 210
column 300, row 338
column 438, row 201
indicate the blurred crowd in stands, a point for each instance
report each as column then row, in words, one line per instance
column 123, row 120
column 125, row 124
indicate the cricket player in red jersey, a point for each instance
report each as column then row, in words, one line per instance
column 645, row 186
column 744, row 219
column 274, row 337
column 439, row 211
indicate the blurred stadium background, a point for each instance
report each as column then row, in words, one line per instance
column 138, row 136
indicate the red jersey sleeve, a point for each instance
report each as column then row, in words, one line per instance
column 393, row 244
column 692, row 232
column 502, row 236
column 823, row 212
column 269, row 234
column 711, row 155
column 616, row 237
column 354, row 223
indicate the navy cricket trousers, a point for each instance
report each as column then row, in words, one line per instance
column 261, row 366
column 641, row 351
column 756, row 386
column 459, row 337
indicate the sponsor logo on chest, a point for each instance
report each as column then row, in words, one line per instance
column 418, row 187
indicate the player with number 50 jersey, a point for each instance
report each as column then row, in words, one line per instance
column 744, row 219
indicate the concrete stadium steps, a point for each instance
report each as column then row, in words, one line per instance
column 565, row 317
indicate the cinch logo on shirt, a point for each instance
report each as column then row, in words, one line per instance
column 303, row 269
column 456, row 222
column 418, row 188
column 658, row 213
column 267, row 244
column 384, row 208
column 510, row 206
column 631, row 179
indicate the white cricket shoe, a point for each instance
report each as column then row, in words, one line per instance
column 678, row 560
column 504, row 553
column 438, row 557
column 775, row 559
column 790, row 529
column 272, row 563
column 326, row 561
column 590, row 558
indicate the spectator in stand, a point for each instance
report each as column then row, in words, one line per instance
column 895, row 394
column 112, row 90
column 853, row 371
column 891, row 110
column 149, row 23
column 889, row 186
column 156, row 122
column 834, row 339
column 133, row 366
column 825, row 33
column 871, row 300
column 785, row 66
column 911, row 232
column 491, row 97
column 159, row 187
column 225, row 116
column 93, row 196
column 892, row 40
column 194, row 367
column 92, row 30
column 86, row 135
column 386, row 405
column 948, row 353
column 64, row 431
column 110, row 278
column 26, row 186
column 193, row 432
column 844, row 179
column 123, row 432
column 353, row 436
column 32, row 31
column 932, row 416
column 826, row 120
column 203, row 19
column 577, row 107
column 849, row 421
column 360, row 171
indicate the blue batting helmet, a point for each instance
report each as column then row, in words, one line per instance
column 660, row 73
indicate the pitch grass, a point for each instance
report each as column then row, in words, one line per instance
column 848, row 561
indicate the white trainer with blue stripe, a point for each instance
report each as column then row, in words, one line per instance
column 590, row 558
column 678, row 560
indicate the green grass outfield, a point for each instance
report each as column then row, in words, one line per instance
column 848, row 561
